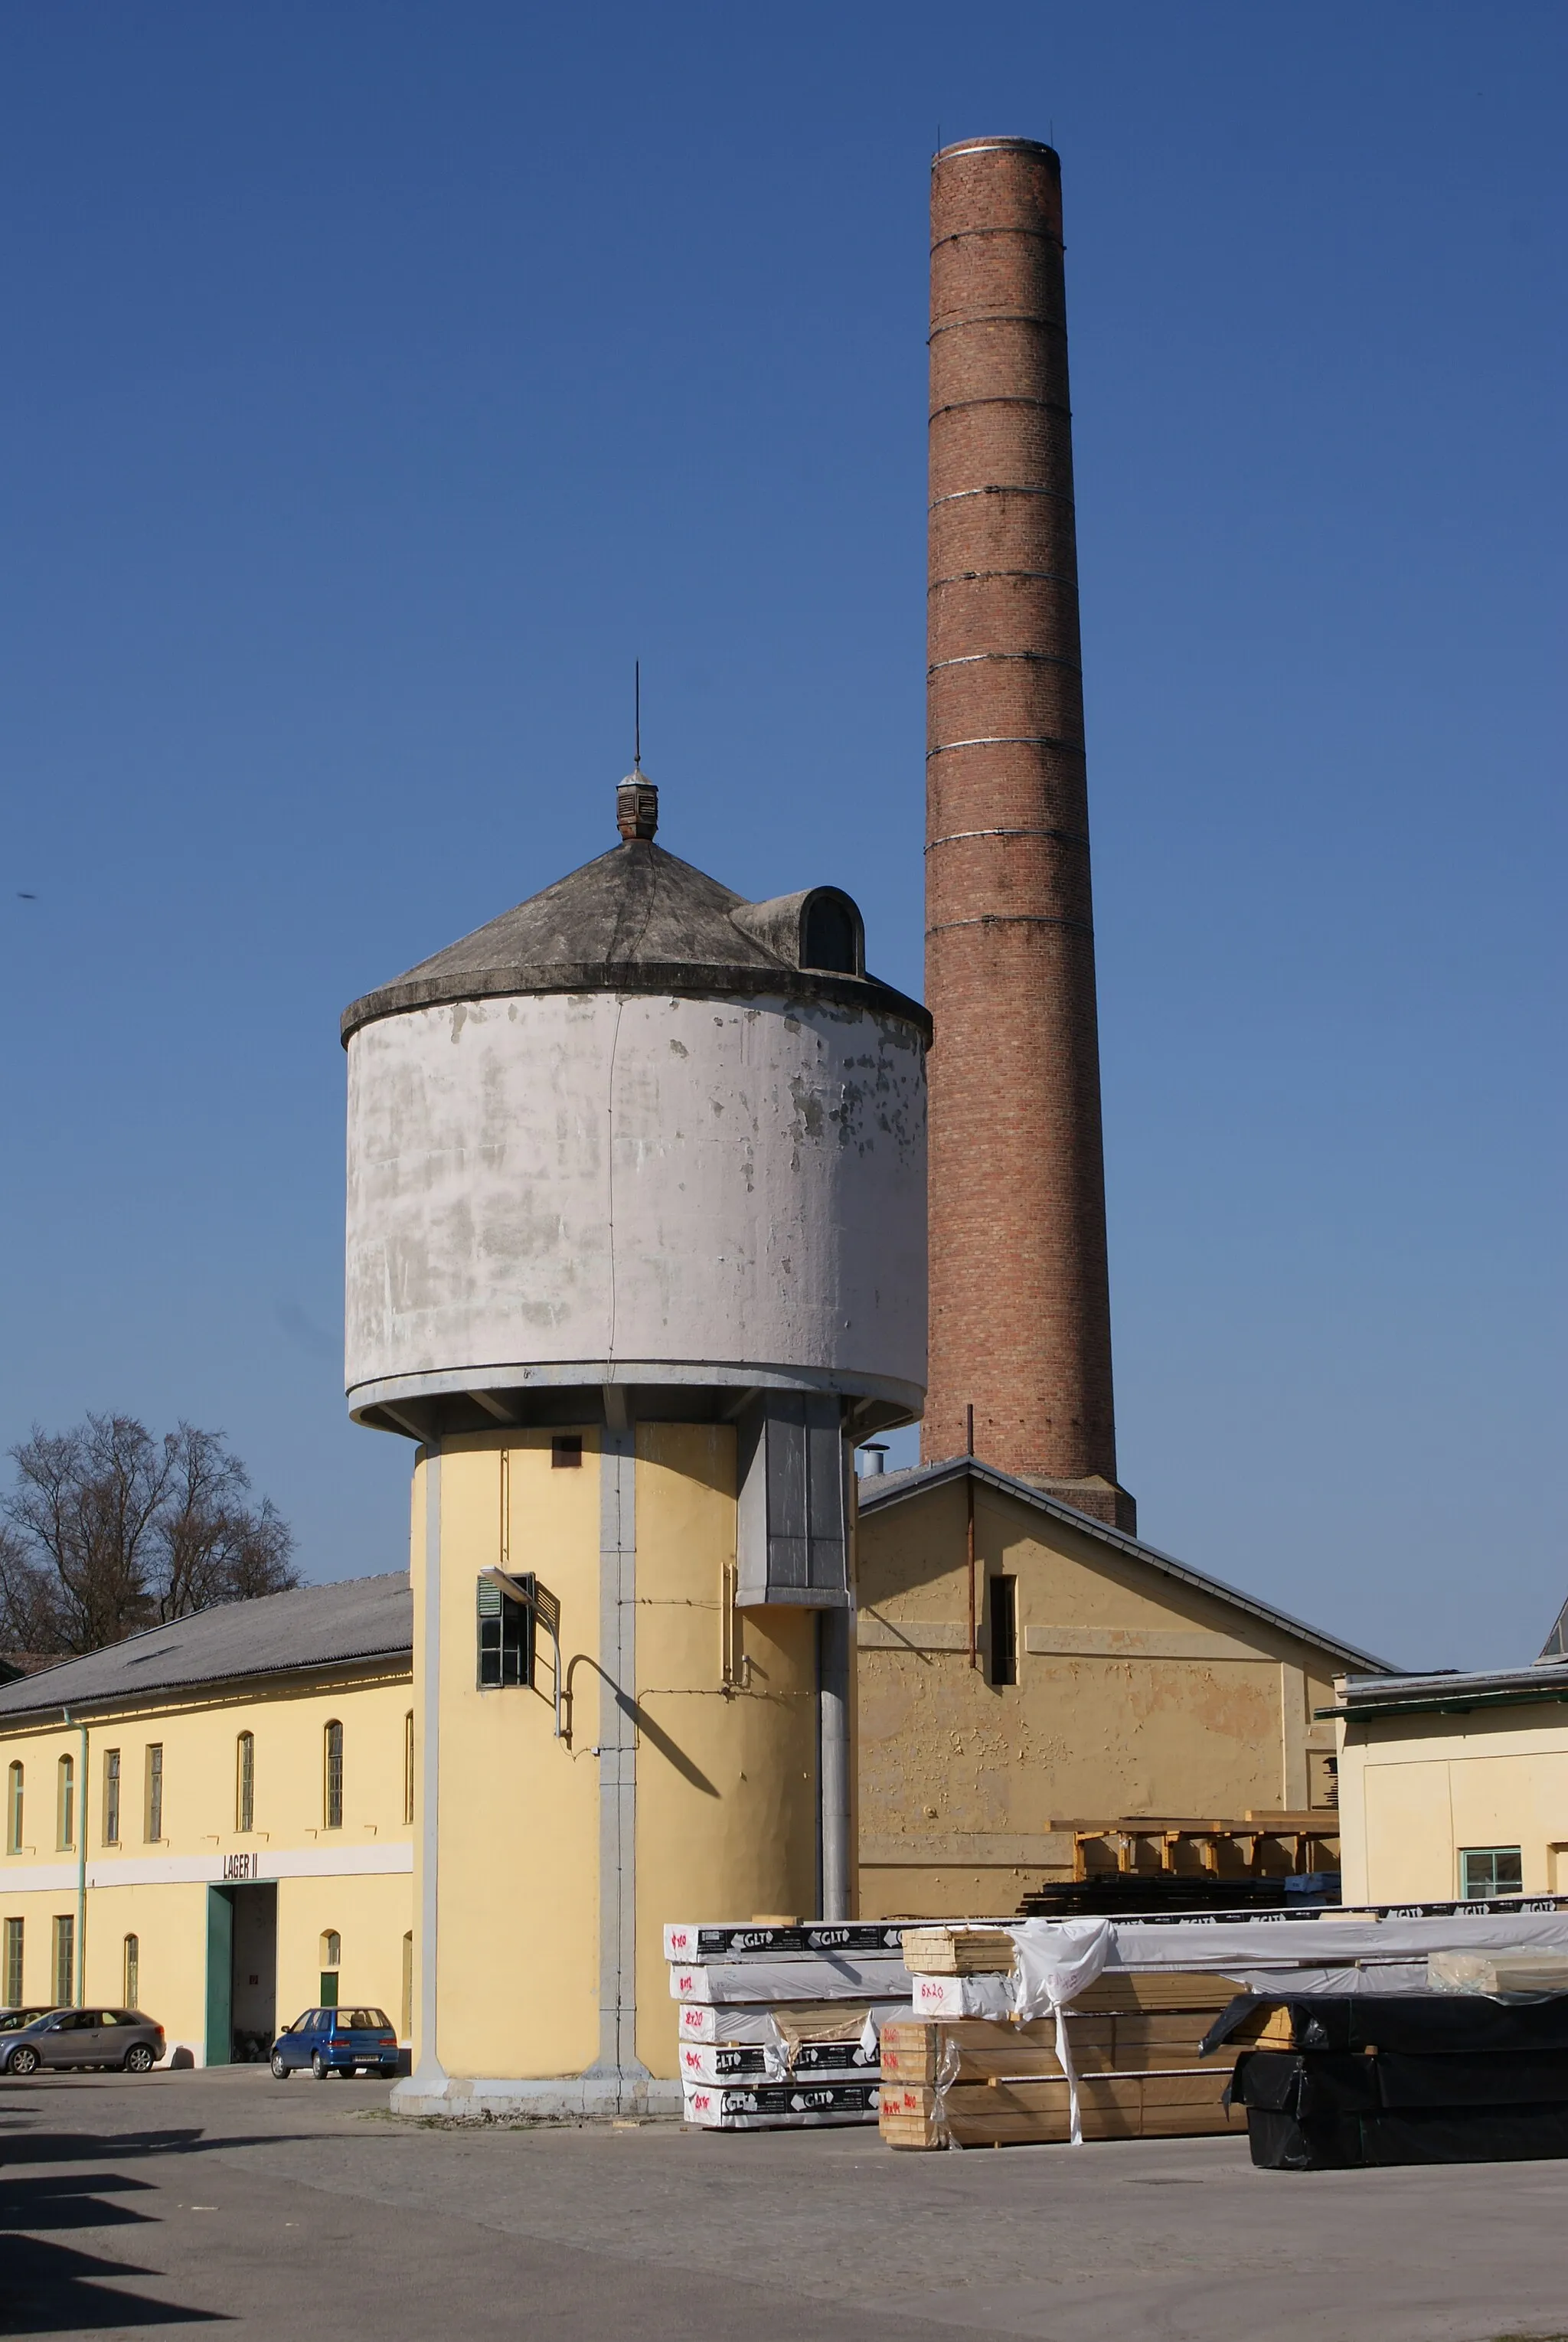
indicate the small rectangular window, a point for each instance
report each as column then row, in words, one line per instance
column 246, row 1783
column 1002, row 1599
column 152, row 1829
column 14, row 1803
column 64, row 1960
column 505, row 1631
column 566, row 1452
column 111, row 1796
column 408, row 1766
column 13, row 1979
column 332, row 1785
column 133, row 1972
column 66, row 1804
column 1488, row 1870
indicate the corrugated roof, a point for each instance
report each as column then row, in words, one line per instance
column 314, row 1626
column 1454, row 1689
column 878, row 1488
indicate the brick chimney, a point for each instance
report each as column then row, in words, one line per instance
column 1020, row 1306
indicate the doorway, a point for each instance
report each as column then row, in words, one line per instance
column 253, row 1974
column 241, row 1973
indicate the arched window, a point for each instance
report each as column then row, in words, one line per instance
column 331, row 1782
column 66, row 1802
column 133, row 1972
column 408, row 1766
column 831, row 936
column 15, row 1781
column 245, row 1782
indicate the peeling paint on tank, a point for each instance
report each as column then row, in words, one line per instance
column 481, row 1177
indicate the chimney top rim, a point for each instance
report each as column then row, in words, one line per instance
column 995, row 145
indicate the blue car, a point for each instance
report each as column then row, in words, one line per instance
column 336, row 2041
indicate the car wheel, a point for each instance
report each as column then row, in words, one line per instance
column 318, row 2065
column 22, row 2061
column 138, row 2059
column 388, row 2072
column 280, row 2071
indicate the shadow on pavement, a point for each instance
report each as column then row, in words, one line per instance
column 51, row 2287
column 55, row 2289
column 20, row 2145
column 69, row 2203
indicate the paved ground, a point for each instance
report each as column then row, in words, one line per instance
column 290, row 2209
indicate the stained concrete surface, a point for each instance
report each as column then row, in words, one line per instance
column 224, row 2198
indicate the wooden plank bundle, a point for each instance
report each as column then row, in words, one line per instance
column 1134, row 2042
column 1183, row 2102
column 958, row 1951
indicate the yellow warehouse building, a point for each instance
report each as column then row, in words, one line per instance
column 212, row 1821
column 1455, row 1785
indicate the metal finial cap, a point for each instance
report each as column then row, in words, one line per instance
column 637, row 805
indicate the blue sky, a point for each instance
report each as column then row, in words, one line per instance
column 380, row 379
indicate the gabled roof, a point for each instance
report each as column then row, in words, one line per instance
column 886, row 1488
column 315, row 1627
column 635, row 919
column 1556, row 1643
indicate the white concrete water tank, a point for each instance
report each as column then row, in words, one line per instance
column 636, row 1134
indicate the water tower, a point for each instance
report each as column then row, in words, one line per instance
column 637, row 1253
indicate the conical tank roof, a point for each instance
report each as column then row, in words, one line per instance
column 635, row 919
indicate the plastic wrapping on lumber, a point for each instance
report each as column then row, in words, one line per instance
column 784, row 2106
column 881, row 1977
column 1492, row 1973
column 750, row 2022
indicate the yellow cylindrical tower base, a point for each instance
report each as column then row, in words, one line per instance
column 684, row 1784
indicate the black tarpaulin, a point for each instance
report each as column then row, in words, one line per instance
column 1282, row 2142
column 1336, row 2082
column 1419, row 2024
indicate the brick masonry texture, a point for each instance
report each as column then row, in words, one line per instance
column 1020, row 1307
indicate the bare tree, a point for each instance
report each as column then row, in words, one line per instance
column 111, row 1530
column 213, row 1547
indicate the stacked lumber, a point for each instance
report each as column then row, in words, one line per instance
column 973, row 2077
column 958, row 1951
column 1330, row 2083
column 772, row 2016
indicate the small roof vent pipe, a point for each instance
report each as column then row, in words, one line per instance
column 636, row 799
column 875, row 1456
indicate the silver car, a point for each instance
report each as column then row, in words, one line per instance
column 120, row 2037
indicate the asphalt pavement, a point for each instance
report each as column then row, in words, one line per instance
column 284, row 2209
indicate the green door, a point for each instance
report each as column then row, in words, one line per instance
column 220, row 1975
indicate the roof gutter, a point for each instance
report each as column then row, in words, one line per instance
column 36, row 1719
column 1446, row 1704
